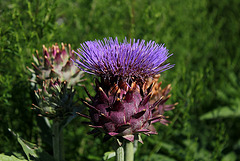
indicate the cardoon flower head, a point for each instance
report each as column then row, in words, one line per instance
column 121, row 106
column 128, row 62
column 55, row 63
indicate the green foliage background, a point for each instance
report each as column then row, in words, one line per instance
column 203, row 35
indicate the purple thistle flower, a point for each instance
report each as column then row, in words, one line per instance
column 123, row 61
column 122, row 106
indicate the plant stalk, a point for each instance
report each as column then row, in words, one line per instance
column 57, row 138
column 129, row 151
column 120, row 153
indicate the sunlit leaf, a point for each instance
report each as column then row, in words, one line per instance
column 109, row 155
column 32, row 150
column 223, row 112
column 4, row 157
column 230, row 156
column 28, row 148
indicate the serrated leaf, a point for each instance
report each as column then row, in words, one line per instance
column 31, row 149
column 4, row 157
column 28, row 147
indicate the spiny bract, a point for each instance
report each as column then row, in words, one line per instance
column 126, row 112
column 158, row 92
column 54, row 99
column 55, row 63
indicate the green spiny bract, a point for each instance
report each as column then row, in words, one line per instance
column 55, row 99
column 56, row 62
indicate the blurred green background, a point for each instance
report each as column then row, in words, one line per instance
column 203, row 35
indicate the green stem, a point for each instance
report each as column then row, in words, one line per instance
column 119, row 153
column 129, row 151
column 57, row 137
column 135, row 146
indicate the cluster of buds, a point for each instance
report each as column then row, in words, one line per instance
column 55, row 99
column 54, row 76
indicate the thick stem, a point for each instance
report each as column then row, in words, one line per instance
column 120, row 154
column 57, row 138
column 129, row 151
column 135, row 145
